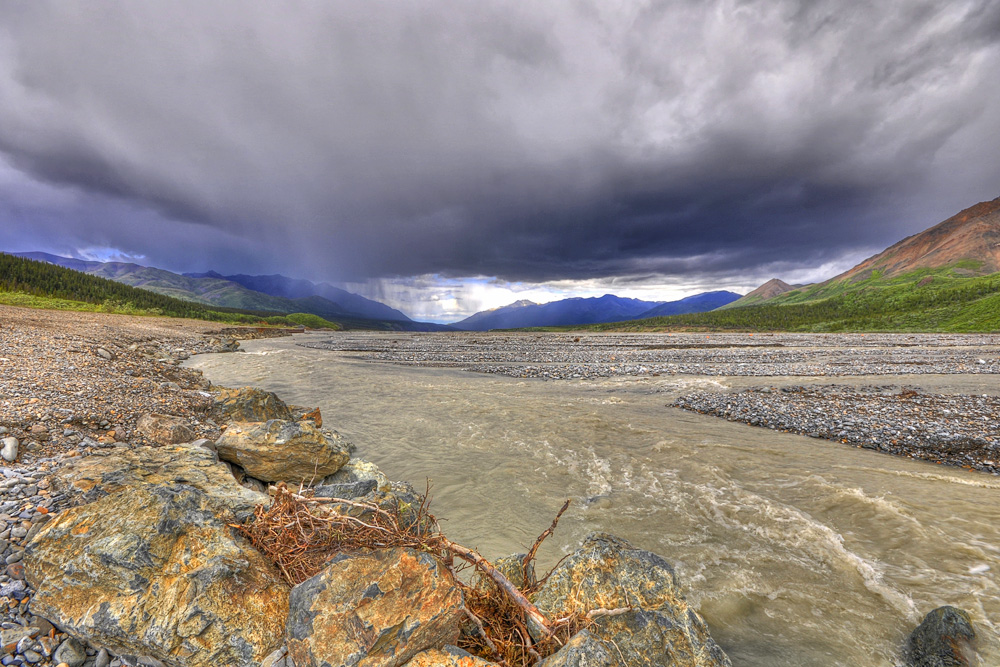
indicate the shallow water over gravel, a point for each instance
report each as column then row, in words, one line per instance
column 797, row 551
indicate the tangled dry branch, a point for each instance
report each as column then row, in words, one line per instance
column 300, row 534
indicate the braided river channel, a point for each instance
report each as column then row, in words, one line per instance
column 796, row 550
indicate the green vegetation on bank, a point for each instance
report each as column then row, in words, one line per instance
column 932, row 300
column 26, row 282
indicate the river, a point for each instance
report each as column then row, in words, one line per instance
column 796, row 551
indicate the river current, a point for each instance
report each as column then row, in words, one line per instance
column 796, row 551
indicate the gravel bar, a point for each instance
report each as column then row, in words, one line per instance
column 592, row 356
column 957, row 430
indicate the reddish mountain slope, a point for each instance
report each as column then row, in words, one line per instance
column 973, row 234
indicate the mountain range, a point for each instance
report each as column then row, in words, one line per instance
column 297, row 288
column 593, row 310
column 213, row 289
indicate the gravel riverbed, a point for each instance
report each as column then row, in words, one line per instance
column 590, row 356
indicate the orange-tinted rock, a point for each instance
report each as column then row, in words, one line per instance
column 315, row 416
column 152, row 570
column 278, row 450
column 110, row 470
column 250, row 404
column 449, row 656
column 375, row 609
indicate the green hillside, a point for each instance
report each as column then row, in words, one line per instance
column 26, row 282
column 934, row 300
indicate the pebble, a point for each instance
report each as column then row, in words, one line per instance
column 10, row 449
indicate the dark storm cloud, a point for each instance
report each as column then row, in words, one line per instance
column 526, row 141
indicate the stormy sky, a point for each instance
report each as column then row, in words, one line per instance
column 448, row 156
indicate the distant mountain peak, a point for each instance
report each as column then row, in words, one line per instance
column 206, row 274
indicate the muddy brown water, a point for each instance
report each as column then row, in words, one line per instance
column 796, row 551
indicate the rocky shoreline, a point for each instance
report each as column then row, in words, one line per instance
column 122, row 548
column 74, row 385
column 117, row 506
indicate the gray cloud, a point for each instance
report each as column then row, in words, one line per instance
column 558, row 140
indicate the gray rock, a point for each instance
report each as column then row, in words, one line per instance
column 70, row 652
column 9, row 450
column 945, row 638
column 103, row 658
column 640, row 639
column 276, row 659
column 347, row 490
column 181, row 464
column 358, row 470
column 165, row 429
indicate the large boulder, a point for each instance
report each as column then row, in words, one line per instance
column 283, row 451
column 153, row 571
column 374, row 609
column 110, row 470
column 945, row 638
column 165, row 429
column 609, row 573
column 250, row 404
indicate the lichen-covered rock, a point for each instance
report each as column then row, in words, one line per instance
column 448, row 656
column 609, row 573
column 165, row 429
column 945, row 638
column 283, row 451
column 152, row 570
column 250, row 404
column 375, row 609
column 109, row 470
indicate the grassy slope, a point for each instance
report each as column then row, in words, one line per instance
column 944, row 300
column 32, row 284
